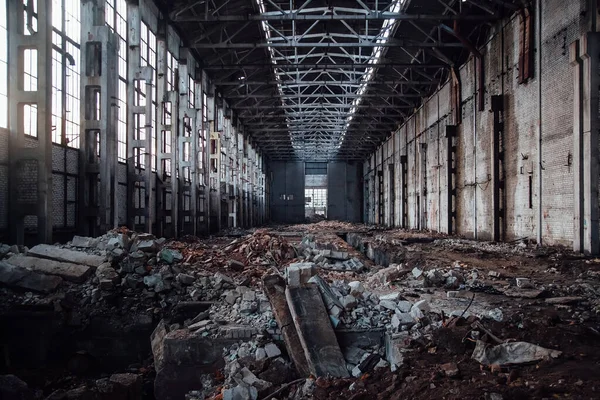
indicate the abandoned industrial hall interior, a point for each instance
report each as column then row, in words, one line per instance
column 299, row 199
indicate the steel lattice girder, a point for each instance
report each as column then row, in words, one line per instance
column 333, row 85
column 327, row 45
column 359, row 15
column 320, row 66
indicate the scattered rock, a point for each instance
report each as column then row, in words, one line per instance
column 450, row 370
column 272, row 350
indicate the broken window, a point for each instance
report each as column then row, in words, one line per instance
column 526, row 46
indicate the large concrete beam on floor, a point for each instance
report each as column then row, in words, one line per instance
column 27, row 199
column 316, row 334
column 275, row 290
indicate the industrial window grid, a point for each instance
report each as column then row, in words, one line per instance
column 148, row 58
column 316, row 198
column 115, row 16
column 66, row 34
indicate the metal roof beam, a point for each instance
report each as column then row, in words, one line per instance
column 325, row 106
column 369, row 16
column 330, row 45
column 323, row 95
column 324, row 82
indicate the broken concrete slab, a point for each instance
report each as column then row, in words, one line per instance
column 68, row 271
column 181, row 358
column 84, row 242
column 523, row 293
column 360, row 337
column 275, row 290
column 13, row 388
column 329, row 298
column 272, row 350
column 564, row 300
column 316, row 334
column 14, row 276
column 65, row 255
column 126, row 386
column 394, row 344
column 354, row 355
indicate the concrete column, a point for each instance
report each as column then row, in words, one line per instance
column 166, row 149
column 578, row 184
column 139, row 177
column 202, row 159
column 187, row 148
column 590, row 50
column 498, row 166
column 24, row 160
column 98, row 200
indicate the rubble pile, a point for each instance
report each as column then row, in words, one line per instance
column 329, row 259
column 262, row 248
column 325, row 226
column 468, row 245
column 254, row 370
column 256, row 317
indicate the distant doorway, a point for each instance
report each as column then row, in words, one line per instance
column 316, row 202
column 315, row 189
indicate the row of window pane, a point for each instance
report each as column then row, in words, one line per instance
column 66, row 76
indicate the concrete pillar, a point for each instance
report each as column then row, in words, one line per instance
column 25, row 160
column 590, row 50
column 451, row 163
column 167, row 148
column 98, row 200
column 139, row 150
column 578, row 185
column 188, row 150
column 498, row 166
column 202, row 158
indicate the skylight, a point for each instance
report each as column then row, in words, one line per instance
column 386, row 31
column 303, row 138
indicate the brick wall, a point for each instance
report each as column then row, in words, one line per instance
column 427, row 186
column 64, row 185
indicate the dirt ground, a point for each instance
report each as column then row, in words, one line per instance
column 560, row 310
column 573, row 328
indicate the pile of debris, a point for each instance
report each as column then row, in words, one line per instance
column 326, row 226
column 262, row 248
column 256, row 317
column 329, row 258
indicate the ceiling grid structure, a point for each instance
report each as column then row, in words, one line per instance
column 321, row 80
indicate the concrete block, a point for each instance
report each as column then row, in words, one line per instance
column 181, row 358
column 275, row 290
column 272, row 350
column 67, row 271
column 329, row 297
column 316, row 334
column 82, row 242
column 14, row 276
column 65, row 255
column 394, row 344
column 390, row 296
column 292, row 275
column 356, row 288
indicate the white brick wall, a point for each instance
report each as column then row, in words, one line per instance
column 561, row 26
